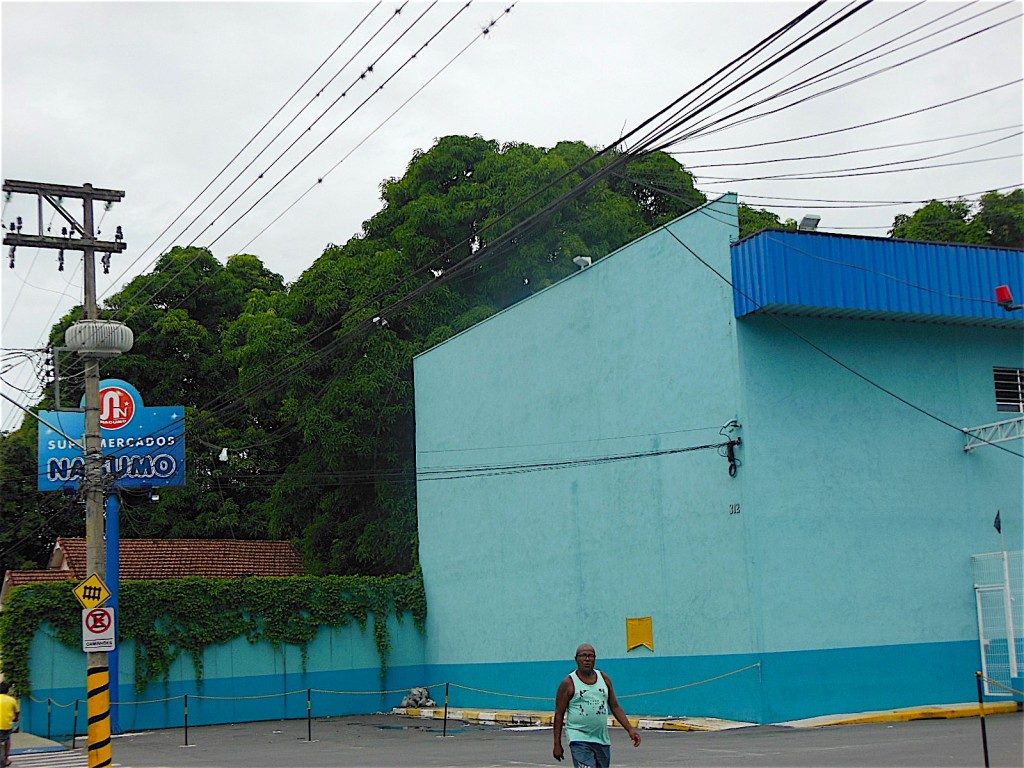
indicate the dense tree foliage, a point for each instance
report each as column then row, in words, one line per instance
column 997, row 219
column 753, row 220
column 310, row 385
column 346, row 490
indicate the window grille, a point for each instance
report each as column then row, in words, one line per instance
column 1009, row 389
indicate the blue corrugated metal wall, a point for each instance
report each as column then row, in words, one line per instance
column 818, row 273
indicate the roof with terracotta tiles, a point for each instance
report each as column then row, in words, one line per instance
column 178, row 558
column 21, row 578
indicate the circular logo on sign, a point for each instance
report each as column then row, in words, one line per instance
column 97, row 620
column 116, row 407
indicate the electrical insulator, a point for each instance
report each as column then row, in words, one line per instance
column 19, row 223
column 10, row 256
column 118, row 234
column 60, row 260
column 63, row 231
column 105, row 259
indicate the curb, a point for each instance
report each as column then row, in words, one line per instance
column 528, row 717
column 934, row 712
column 711, row 724
column 29, row 744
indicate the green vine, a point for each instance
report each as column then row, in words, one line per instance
column 167, row 618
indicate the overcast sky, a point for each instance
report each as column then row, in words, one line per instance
column 155, row 98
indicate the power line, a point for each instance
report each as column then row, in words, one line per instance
column 366, row 71
column 861, row 150
column 831, row 357
column 858, row 126
column 320, row 179
column 524, row 225
column 244, row 147
column 817, row 257
column 839, row 69
column 821, row 202
column 847, row 173
column 704, row 129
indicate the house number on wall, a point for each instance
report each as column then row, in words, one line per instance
column 734, row 509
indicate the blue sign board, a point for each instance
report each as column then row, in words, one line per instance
column 142, row 447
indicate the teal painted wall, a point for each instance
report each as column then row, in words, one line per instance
column 867, row 511
column 846, row 572
column 628, row 355
column 241, row 681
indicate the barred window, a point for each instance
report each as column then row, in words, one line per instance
column 1009, row 389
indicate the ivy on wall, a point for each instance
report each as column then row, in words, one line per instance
column 166, row 618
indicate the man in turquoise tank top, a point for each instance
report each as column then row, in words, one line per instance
column 584, row 700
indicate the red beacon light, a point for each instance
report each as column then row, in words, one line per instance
column 1004, row 298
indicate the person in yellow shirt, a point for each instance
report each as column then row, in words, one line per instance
column 10, row 711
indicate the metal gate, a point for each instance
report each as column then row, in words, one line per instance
column 999, row 595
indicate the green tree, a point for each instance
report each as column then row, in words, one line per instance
column 996, row 219
column 345, row 393
column 753, row 220
column 1002, row 216
column 310, row 386
column 31, row 521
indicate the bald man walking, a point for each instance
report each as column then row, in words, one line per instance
column 582, row 704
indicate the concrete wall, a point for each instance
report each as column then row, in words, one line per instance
column 867, row 511
column 634, row 354
column 837, row 561
column 244, row 681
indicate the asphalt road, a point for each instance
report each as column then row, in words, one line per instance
column 388, row 740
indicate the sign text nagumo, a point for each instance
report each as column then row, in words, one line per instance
column 142, row 447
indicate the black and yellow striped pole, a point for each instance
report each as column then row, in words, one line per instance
column 100, row 752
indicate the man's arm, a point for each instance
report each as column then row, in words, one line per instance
column 620, row 714
column 566, row 690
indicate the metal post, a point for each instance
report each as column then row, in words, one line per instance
column 981, row 713
column 49, row 715
column 74, row 726
column 186, row 719
column 309, row 714
column 1011, row 633
column 444, row 730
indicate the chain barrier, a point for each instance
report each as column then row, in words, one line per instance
column 247, row 698
column 51, row 702
column 505, row 694
column 500, row 693
column 371, row 693
column 308, row 692
column 149, row 701
column 755, row 665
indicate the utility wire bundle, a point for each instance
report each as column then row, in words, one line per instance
column 726, row 99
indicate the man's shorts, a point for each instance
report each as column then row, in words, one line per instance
column 589, row 754
column 5, row 735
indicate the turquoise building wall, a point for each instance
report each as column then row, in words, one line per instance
column 241, row 681
column 844, row 576
column 867, row 511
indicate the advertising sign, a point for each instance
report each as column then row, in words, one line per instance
column 142, row 447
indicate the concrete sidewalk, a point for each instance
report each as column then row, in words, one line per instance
column 526, row 717
column 27, row 743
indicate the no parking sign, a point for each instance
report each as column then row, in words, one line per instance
column 98, row 629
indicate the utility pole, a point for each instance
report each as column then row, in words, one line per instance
column 97, row 669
